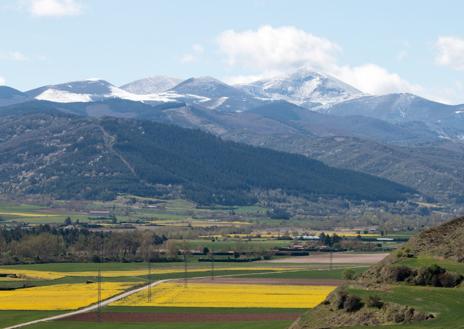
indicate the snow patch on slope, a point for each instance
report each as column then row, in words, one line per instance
column 61, row 96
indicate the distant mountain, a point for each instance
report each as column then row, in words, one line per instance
column 447, row 120
column 324, row 125
column 214, row 94
column 152, row 85
column 67, row 156
column 434, row 169
column 303, row 87
column 395, row 108
column 87, row 91
column 277, row 117
column 206, row 92
column 9, row 96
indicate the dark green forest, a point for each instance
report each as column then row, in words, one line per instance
column 70, row 157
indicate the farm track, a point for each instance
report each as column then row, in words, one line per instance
column 337, row 258
column 113, row 299
column 183, row 317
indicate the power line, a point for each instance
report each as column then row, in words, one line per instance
column 99, row 282
column 212, row 264
column 185, row 265
column 149, row 280
column 331, row 259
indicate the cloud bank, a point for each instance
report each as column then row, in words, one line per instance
column 274, row 50
column 56, row 8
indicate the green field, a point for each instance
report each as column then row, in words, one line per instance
column 176, row 209
column 447, row 303
column 428, row 261
column 309, row 274
column 179, row 325
column 8, row 318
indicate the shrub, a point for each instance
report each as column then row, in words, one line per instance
column 352, row 303
column 340, row 299
column 374, row 301
column 450, row 280
column 401, row 273
column 437, row 276
column 349, row 274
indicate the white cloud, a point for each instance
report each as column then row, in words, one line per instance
column 239, row 79
column 373, row 79
column 13, row 56
column 54, row 7
column 281, row 48
column 269, row 51
column 196, row 52
column 2, row 81
column 450, row 52
column 452, row 94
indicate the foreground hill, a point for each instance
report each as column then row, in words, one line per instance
column 49, row 152
column 420, row 285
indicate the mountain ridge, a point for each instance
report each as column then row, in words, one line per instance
column 69, row 156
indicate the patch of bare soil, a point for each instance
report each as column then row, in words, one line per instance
column 337, row 258
column 182, row 317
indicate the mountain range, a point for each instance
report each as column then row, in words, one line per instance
column 47, row 151
column 402, row 137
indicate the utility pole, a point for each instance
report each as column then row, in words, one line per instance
column 212, row 263
column 331, row 259
column 185, row 265
column 99, row 281
column 149, row 280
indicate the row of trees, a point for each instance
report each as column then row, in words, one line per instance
column 51, row 244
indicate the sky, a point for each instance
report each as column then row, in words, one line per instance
column 379, row 47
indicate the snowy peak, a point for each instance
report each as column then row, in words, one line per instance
column 151, row 85
column 303, row 87
column 215, row 95
column 204, row 86
column 74, row 91
column 89, row 87
column 399, row 107
column 91, row 90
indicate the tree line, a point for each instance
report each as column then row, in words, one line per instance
column 47, row 243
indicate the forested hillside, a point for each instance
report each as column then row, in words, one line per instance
column 49, row 152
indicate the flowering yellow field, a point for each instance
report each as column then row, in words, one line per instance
column 199, row 223
column 49, row 275
column 58, row 297
column 27, row 214
column 174, row 294
column 32, row 274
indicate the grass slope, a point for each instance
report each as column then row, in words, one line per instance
column 442, row 246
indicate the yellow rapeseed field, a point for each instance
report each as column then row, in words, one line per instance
column 27, row 214
column 58, row 297
column 173, row 294
column 199, row 223
column 51, row 275
column 33, row 274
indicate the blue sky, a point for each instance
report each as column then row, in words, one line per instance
column 378, row 46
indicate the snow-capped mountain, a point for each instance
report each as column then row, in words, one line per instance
column 215, row 94
column 151, row 85
column 399, row 107
column 303, row 87
column 446, row 120
column 92, row 90
column 206, row 92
